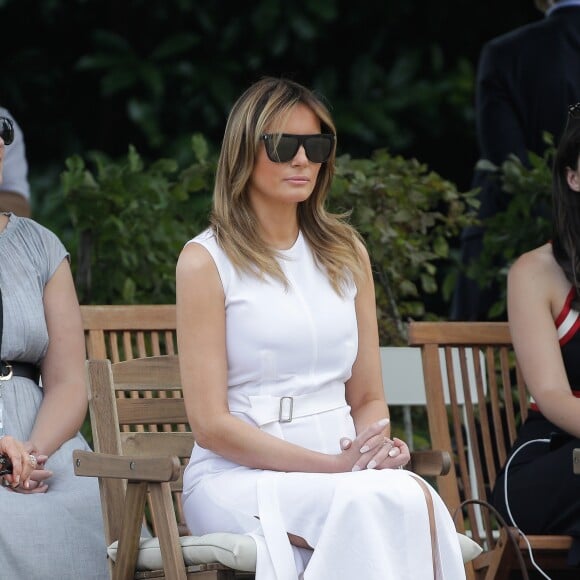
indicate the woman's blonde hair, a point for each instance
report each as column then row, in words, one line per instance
column 336, row 245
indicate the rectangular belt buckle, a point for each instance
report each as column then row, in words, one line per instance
column 5, row 367
column 286, row 409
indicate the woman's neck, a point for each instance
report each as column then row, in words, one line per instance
column 3, row 221
column 278, row 229
column 279, row 239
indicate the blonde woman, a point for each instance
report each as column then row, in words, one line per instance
column 280, row 365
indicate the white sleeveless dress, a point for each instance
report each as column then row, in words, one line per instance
column 290, row 352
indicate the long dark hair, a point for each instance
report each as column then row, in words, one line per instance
column 566, row 207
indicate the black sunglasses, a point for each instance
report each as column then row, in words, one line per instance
column 574, row 111
column 6, row 130
column 282, row 147
column 5, row 465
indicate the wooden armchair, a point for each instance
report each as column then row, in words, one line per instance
column 476, row 399
column 142, row 444
column 141, row 447
column 123, row 399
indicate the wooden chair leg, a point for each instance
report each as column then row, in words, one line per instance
column 163, row 514
column 124, row 568
column 497, row 563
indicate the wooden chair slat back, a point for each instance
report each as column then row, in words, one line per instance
column 121, row 424
column 179, row 444
column 475, row 402
column 125, row 332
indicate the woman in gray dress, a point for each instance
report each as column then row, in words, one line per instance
column 52, row 524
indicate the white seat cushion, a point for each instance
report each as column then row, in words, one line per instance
column 469, row 549
column 234, row 550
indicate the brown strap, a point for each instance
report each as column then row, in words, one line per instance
column 436, row 557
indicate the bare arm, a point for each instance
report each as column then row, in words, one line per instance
column 536, row 291
column 364, row 390
column 64, row 405
column 203, row 361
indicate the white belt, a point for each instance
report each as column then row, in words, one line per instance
column 266, row 409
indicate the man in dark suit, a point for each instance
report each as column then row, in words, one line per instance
column 526, row 80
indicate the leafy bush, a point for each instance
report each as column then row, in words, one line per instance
column 408, row 215
column 131, row 221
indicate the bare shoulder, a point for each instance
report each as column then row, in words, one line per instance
column 195, row 260
column 362, row 251
column 538, row 262
column 197, row 277
column 536, row 279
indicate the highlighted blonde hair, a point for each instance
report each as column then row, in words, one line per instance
column 336, row 244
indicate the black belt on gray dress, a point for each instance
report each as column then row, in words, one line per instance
column 9, row 368
column 19, row 369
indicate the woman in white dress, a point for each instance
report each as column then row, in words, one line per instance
column 280, row 364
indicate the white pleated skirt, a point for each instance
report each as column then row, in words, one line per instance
column 370, row 524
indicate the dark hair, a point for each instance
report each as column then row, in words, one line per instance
column 566, row 207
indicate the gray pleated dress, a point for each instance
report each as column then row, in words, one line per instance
column 57, row 534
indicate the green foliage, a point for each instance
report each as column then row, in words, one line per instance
column 524, row 224
column 131, row 221
column 179, row 70
column 408, row 215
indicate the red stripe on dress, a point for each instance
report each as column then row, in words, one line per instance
column 571, row 332
column 567, row 337
column 566, row 307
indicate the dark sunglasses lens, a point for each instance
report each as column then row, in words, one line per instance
column 574, row 111
column 286, row 148
column 6, row 130
column 283, row 148
column 318, row 148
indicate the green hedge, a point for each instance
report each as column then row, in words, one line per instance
column 127, row 221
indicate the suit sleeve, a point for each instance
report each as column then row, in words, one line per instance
column 499, row 124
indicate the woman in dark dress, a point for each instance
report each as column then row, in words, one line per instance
column 537, row 490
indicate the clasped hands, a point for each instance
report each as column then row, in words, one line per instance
column 372, row 450
column 27, row 476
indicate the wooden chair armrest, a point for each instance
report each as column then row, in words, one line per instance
column 430, row 463
column 133, row 468
column 144, row 474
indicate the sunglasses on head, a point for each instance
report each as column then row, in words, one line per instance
column 574, row 111
column 6, row 130
column 282, row 147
